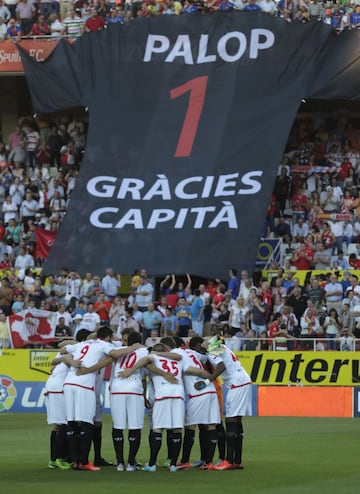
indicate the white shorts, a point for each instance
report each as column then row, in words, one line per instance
column 127, row 411
column 55, row 407
column 203, row 409
column 239, row 401
column 168, row 413
column 80, row 404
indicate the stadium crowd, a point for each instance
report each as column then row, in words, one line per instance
column 31, row 18
column 314, row 214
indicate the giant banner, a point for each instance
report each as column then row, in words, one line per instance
column 189, row 116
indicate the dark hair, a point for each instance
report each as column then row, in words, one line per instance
column 127, row 331
column 134, row 337
column 168, row 341
column 179, row 341
column 82, row 334
column 104, row 332
column 196, row 340
column 159, row 347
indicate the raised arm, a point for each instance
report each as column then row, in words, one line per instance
column 189, row 281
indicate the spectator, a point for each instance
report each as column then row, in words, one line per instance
column 4, row 12
column 6, row 296
column 117, row 310
column 95, row 22
column 65, row 7
column 168, row 323
column 300, row 230
column 56, row 27
column 332, row 328
column 73, row 25
column 346, row 340
column 144, row 293
column 24, row 260
column 233, row 285
column 102, row 308
column 25, row 14
column 322, row 258
column 334, row 294
column 251, row 6
column 197, row 313
column 259, row 315
column 3, row 29
column 151, row 321
column 47, row 7
column 4, row 332
column 40, row 27
column 111, row 283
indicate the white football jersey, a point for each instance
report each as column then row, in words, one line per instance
column 164, row 389
column 89, row 353
column 133, row 383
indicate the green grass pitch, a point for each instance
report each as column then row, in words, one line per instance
column 281, row 456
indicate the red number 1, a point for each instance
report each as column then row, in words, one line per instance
column 197, row 88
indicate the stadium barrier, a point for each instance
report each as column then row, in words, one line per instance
column 275, row 401
column 285, row 383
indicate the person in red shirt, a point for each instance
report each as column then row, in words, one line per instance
column 267, row 295
column 219, row 297
column 2, row 231
column 328, row 238
column 344, row 170
column 5, row 262
column 354, row 262
column 211, row 287
column 95, row 22
column 299, row 203
column 274, row 328
column 40, row 28
column 102, row 308
column 303, row 257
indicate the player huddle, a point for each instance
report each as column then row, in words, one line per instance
column 177, row 383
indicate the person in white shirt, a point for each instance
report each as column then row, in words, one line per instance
column 3, row 29
column 346, row 340
column 268, row 6
column 17, row 191
column 73, row 285
column 144, row 294
column 111, row 283
column 337, row 229
column 300, row 230
column 91, row 319
column 56, row 26
column 9, row 209
column 24, row 260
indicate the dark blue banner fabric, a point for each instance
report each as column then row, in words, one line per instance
column 189, row 116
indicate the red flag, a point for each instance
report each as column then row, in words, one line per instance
column 32, row 327
column 44, row 241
